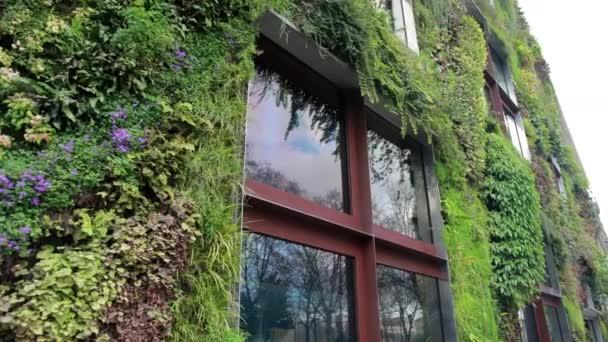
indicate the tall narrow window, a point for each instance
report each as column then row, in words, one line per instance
column 502, row 74
column 561, row 186
column 294, row 141
column 553, row 324
column 407, row 308
column 401, row 13
column 290, row 292
column 392, row 185
column 517, row 134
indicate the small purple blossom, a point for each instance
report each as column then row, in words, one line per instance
column 25, row 230
column 121, row 139
column 6, row 182
column 142, row 141
column 36, row 200
column 180, row 54
column 12, row 245
column 42, row 185
column 2, row 239
column 8, row 204
column 74, row 172
column 120, row 136
column 69, row 146
column 176, row 67
column 21, row 184
column 119, row 114
column 122, row 148
column 22, row 195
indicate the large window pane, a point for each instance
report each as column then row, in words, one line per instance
column 409, row 308
column 513, row 133
column 290, row 292
column 552, row 320
column 392, row 185
column 294, row 141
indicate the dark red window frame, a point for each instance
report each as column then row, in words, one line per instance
column 275, row 213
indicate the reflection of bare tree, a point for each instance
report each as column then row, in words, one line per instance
column 401, row 308
column 315, row 285
column 393, row 192
column 264, row 173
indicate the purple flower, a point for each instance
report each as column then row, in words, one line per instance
column 25, row 230
column 8, row 204
column 42, row 185
column 74, row 172
column 6, row 182
column 36, row 200
column 69, row 146
column 21, row 184
column 176, row 67
column 120, row 136
column 2, row 239
column 142, row 141
column 22, row 195
column 42, row 154
column 119, row 114
column 122, row 148
column 180, row 54
column 12, row 245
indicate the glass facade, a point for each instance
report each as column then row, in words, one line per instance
column 392, row 185
column 291, row 292
column 294, row 141
column 408, row 308
column 552, row 319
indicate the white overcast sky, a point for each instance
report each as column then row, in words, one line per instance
column 574, row 38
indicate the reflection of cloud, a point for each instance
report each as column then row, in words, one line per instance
column 300, row 156
column 304, row 145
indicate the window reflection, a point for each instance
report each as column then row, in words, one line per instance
column 294, row 141
column 408, row 307
column 290, row 292
column 552, row 319
column 392, row 186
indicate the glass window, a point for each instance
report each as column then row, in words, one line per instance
column 502, row 74
column 290, row 292
column 590, row 331
column 408, row 307
column 514, row 133
column 552, row 319
column 561, row 186
column 401, row 13
column 488, row 96
column 392, row 186
column 294, row 141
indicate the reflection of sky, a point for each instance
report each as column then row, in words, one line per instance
column 301, row 157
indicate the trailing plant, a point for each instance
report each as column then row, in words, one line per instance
column 516, row 238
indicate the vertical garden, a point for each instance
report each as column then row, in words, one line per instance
column 121, row 162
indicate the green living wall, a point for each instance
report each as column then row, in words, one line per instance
column 120, row 162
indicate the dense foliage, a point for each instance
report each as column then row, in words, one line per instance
column 120, row 162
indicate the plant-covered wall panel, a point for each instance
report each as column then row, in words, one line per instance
column 121, row 163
